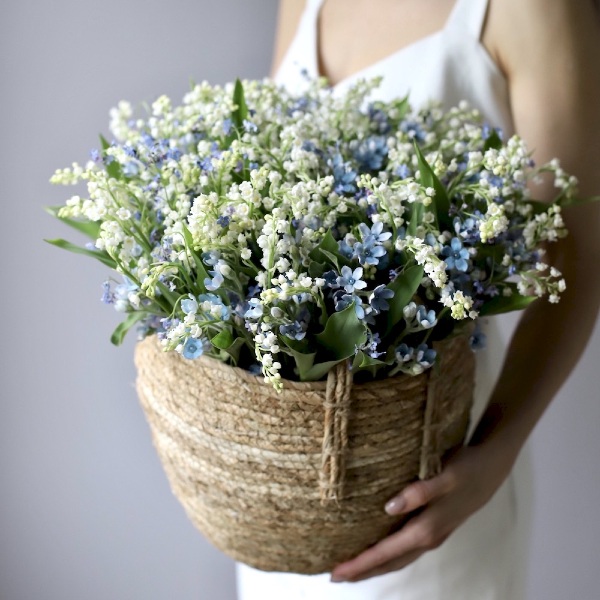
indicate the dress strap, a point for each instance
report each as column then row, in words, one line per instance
column 313, row 5
column 468, row 16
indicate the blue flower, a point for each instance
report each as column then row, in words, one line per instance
column 331, row 279
column 130, row 150
column 216, row 301
column 254, row 290
column 370, row 250
column 468, row 229
column 478, row 339
column 368, row 253
column 430, row 239
column 379, row 297
column 189, row 305
column 379, row 118
column 426, row 319
column 173, row 153
column 223, row 221
column 374, row 234
column 344, row 176
column 413, row 130
column 425, row 355
column 255, row 369
column 345, row 248
column 227, row 125
column 95, row 155
column 371, row 152
column 214, row 282
column 403, row 172
column 130, row 168
column 122, row 292
column 193, row 348
column 210, row 258
column 372, row 344
column 456, row 257
column 351, row 280
column 255, row 309
column 250, row 126
column 342, row 301
column 107, row 297
column 295, row 330
column 404, row 353
column 300, row 298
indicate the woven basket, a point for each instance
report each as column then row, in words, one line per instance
column 297, row 481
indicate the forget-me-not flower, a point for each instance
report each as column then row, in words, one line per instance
column 342, row 301
column 193, row 348
column 351, row 280
column 456, row 256
column 379, row 298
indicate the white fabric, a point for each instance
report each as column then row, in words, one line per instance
column 485, row 559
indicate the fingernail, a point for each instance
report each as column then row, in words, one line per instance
column 337, row 578
column 395, row 506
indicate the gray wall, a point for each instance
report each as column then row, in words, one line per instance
column 85, row 510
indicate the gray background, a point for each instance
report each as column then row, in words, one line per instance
column 85, row 510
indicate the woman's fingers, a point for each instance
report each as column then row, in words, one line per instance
column 393, row 565
column 419, row 494
column 424, row 532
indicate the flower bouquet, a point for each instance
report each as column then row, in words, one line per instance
column 305, row 272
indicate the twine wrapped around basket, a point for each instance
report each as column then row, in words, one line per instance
column 297, row 481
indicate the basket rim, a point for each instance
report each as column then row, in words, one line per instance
column 313, row 386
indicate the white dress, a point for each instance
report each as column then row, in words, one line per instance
column 485, row 558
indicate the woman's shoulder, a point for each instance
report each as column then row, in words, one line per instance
column 523, row 34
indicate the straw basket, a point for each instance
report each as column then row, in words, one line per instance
column 297, row 481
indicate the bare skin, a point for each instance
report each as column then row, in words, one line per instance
column 547, row 50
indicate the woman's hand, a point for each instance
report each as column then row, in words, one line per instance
column 468, row 480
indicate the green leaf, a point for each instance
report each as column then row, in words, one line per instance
column 364, row 362
column 404, row 287
column 200, row 268
column 88, row 228
column 328, row 252
column 319, row 370
column 416, row 218
column 493, row 141
column 234, row 349
column 316, row 269
column 343, row 332
column 103, row 257
column 240, row 113
column 223, row 339
column 166, row 293
column 113, row 168
column 402, row 106
column 440, row 202
column 503, row 304
column 119, row 333
column 304, row 360
column 225, row 342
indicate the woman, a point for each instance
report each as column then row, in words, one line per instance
column 530, row 67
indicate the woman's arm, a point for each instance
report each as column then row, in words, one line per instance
column 549, row 51
column 555, row 95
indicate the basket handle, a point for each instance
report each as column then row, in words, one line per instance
column 335, row 434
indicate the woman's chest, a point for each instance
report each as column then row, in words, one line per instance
column 353, row 35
